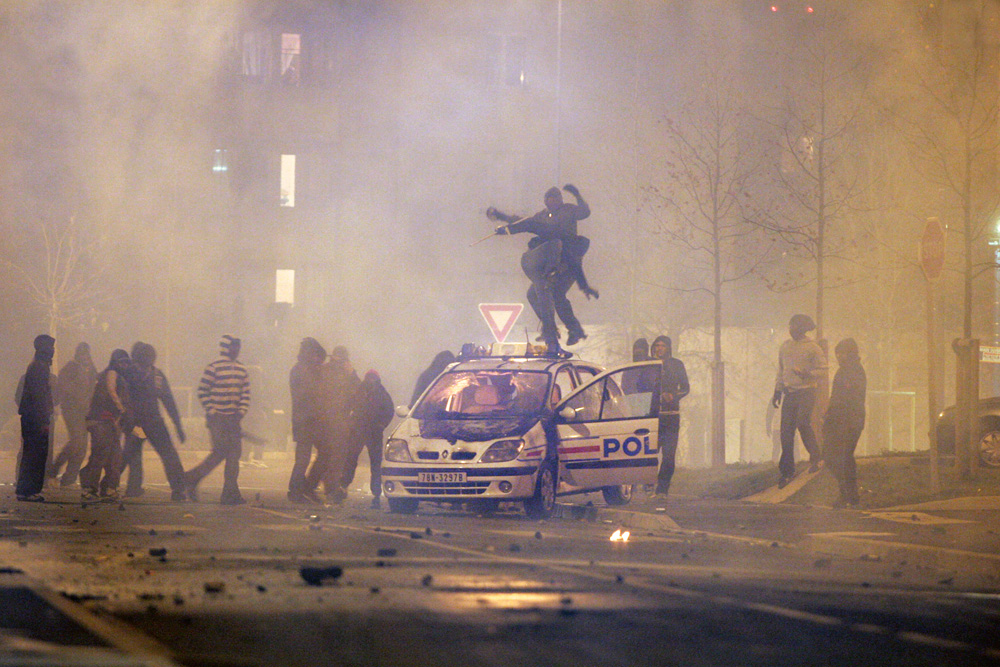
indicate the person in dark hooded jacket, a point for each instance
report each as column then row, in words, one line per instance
column 441, row 361
column 76, row 387
column 148, row 387
column 553, row 261
column 673, row 387
column 35, row 405
column 845, row 420
column 371, row 417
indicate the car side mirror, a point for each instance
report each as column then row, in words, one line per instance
column 567, row 413
column 402, row 410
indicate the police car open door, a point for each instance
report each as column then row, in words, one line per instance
column 607, row 429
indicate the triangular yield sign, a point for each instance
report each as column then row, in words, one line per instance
column 500, row 317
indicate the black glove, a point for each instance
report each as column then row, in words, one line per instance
column 776, row 399
column 502, row 229
column 572, row 189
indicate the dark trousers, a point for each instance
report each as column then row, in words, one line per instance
column 372, row 441
column 796, row 414
column 666, row 437
column 226, row 446
column 34, row 455
column 328, row 466
column 159, row 438
column 74, row 451
column 105, row 457
column 309, row 436
column 839, row 443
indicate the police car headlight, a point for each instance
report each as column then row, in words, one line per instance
column 397, row 451
column 503, row 450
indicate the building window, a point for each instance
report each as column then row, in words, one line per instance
column 256, row 55
column 284, row 286
column 287, row 192
column 291, row 58
column 220, row 161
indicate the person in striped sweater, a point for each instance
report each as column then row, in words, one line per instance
column 224, row 392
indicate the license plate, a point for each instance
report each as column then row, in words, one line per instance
column 441, row 477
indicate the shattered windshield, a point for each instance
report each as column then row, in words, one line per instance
column 484, row 394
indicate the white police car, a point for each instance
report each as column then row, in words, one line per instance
column 507, row 426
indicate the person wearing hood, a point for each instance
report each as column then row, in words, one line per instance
column 224, row 392
column 553, row 261
column 107, row 417
column 340, row 385
column 845, row 420
column 75, row 387
column 35, row 406
column 640, row 350
column 148, row 387
column 441, row 361
column 310, row 430
column 801, row 363
column 371, row 417
column 673, row 387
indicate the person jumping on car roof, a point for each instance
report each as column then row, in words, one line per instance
column 553, row 261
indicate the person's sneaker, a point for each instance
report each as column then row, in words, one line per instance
column 177, row 496
column 376, row 503
column 134, row 493
column 87, row 495
column 32, row 498
column 110, row 496
column 297, row 498
column 233, row 500
column 192, row 491
column 575, row 337
column 814, row 466
column 783, row 482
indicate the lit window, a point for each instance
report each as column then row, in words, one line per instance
column 287, row 192
column 284, row 286
column 291, row 53
column 220, row 160
column 256, row 54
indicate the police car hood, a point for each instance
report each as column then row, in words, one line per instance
column 476, row 430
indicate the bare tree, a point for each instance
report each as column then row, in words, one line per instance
column 67, row 281
column 704, row 203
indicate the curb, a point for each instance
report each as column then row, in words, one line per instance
column 856, row 546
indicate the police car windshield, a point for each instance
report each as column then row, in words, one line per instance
column 484, row 394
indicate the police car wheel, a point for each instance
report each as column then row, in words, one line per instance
column 617, row 495
column 541, row 504
column 402, row 505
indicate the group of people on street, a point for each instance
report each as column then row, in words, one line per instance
column 122, row 400
column 801, row 366
column 335, row 415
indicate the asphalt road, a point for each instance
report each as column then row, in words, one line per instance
column 697, row 582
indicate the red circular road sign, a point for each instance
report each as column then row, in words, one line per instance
column 932, row 249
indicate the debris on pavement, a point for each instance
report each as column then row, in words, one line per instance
column 315, row 576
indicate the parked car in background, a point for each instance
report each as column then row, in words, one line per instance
column 987, row 439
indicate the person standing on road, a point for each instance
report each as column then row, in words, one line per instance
column 224, row 392
column 148, row 387
column 309, row 426
column 35, row 406
column 673, row 387
column 801, row 363
column 340, row 387
column 845, row 420
column 372, row 415
column 75, row 388
column 553, row 261
column 107, row 417
column 441, row 361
